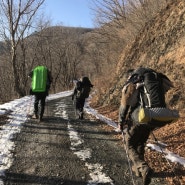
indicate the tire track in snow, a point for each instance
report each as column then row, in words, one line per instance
column 95, row 170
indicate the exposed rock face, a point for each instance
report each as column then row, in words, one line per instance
column 161, row 46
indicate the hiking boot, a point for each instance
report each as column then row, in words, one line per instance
column 41, row 118
column 136, row 171
column 146, row 175
column 36, row 116
column 80, row 115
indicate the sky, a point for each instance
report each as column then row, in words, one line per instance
column 19, row 110
column 73, row 13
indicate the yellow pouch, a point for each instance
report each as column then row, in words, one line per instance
column 159, row 114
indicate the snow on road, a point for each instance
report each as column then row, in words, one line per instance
column 95, row 170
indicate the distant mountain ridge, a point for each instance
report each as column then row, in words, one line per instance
column 53, row 29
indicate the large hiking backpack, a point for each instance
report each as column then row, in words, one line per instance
column 152, row 88
column 86, row 81
column 39, row 79
column 152, row 93
column 83, row 89
column 86, row 87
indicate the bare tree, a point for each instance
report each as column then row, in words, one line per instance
column 109, row 12
column 60, row 49
column 17, row 17
column 125, row 18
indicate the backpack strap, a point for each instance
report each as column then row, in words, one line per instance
column 152, row 92
column 147, row 96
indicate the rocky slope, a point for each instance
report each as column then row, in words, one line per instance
column 161, row 46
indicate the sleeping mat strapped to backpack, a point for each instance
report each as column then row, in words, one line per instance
column 39, row 79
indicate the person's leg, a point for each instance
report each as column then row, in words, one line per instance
column 36, row 102
column 43, row 100
column 136, row 143
column 134, row 139
column 131, row 144
column 82, row 102
column 145, row 131
column 78, row 106
column 145, row 170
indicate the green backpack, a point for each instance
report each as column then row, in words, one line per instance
column 39, row 79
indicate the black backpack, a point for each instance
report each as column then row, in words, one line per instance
column 153, row 86
column 83, row 89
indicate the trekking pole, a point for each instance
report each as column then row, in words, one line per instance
column 172, row 169
column 128, row 159
column 45, row 109
column 74, row 105
column 48, row 112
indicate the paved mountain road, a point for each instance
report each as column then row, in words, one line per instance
column 68, row 151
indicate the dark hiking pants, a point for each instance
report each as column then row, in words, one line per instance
column 39, row 97
column 136, row 138
column 80, row 104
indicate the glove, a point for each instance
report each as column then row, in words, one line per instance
column 120, row 126
column 123, row 127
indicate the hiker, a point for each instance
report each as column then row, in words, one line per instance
column 136, row 133
column 80, row 93
column 41, row 81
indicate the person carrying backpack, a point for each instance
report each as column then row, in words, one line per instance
column 144, row 88
column 80, row 93
column 41, row 81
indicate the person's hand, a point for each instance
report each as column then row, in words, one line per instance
column 122, row 127
column 125, row 128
